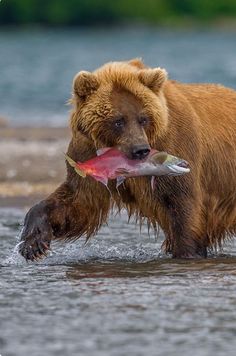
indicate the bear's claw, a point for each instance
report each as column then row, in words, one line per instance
column 33, row 249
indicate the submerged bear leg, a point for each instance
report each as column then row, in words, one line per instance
column 185, row 237
column 181, row 217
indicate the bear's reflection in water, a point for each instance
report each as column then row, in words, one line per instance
column 163, row 267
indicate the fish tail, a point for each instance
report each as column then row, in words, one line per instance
column 71, row 162
column 75, row 165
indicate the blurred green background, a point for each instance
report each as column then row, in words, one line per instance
column 107, row 12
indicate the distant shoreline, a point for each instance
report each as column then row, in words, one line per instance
column 109, row 13
column 183, row 24
column 31, row 163
column 27, row 133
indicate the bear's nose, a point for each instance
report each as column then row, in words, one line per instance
column 140, row 152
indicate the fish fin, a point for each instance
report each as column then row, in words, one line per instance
column 101, row 151
column 119, row 181
column 101, row 179
column 122, row 172
column 73, row 164
column 153, row 182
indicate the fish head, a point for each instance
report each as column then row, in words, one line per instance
column 174, row 165
column 120, row 105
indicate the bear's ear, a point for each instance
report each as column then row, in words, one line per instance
column 153, row 78
column 84, row 84
column 137, row 62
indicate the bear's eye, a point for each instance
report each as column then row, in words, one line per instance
column 143, row 120
column 119, row 123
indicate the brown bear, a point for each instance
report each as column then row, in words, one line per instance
column 135, row 107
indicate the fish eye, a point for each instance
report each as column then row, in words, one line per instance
column 119, row 123
column 143, row 120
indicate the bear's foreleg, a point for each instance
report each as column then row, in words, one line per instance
column 182, row 218
column 78, row 207
column 186, row 238
column 64, row 215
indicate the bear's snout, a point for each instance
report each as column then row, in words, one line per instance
column 140, row 151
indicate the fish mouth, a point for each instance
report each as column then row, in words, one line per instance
column 180, row 167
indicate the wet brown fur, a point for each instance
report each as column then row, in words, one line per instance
column 196, row 122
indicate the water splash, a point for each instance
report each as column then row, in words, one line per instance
column 119, row 241
column 104, row 251
column 14, row 258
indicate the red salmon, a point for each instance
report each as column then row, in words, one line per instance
column 111, row 163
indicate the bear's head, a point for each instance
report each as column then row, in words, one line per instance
column 121, row 104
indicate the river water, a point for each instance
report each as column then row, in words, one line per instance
column 37, row 66
column 117, row 295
